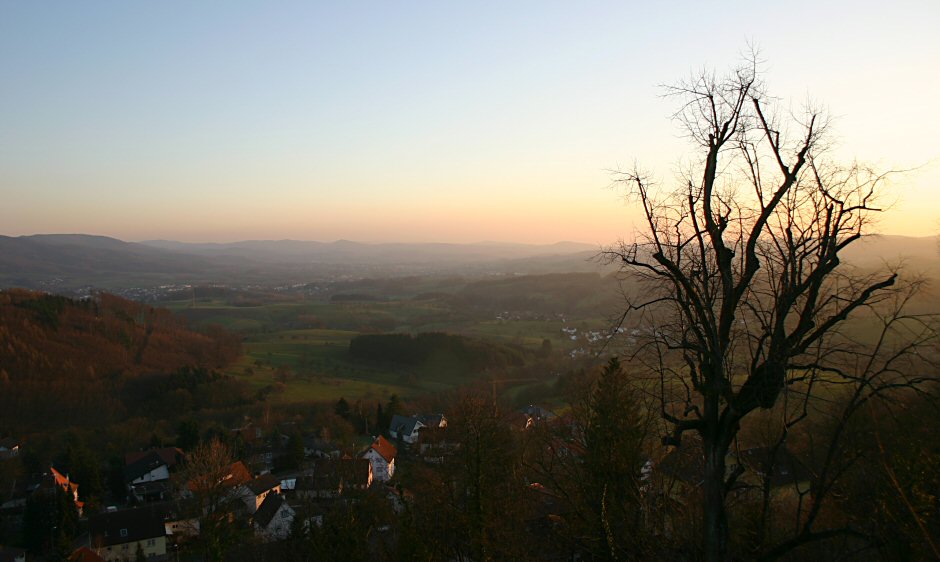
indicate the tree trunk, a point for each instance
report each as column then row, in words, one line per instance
column 715, row 515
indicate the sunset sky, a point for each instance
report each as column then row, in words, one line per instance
column 419, row 121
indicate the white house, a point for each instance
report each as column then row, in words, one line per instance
column 274, row 518
column 381, row 455
column 117, row 535
column 405, row 428
column 254, row 492
column 149, row 468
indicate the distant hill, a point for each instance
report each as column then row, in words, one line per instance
column 63, row 262
column 916, row 253
column 77, row 259
column 358, row 253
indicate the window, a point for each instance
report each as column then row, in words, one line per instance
column 151, row 542
column 285, row 514
column 123, row 532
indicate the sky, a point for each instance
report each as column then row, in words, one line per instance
column 420, row 121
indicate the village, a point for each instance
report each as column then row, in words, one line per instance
column 250, row 490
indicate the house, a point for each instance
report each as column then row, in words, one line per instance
column 536, row 414
column 147, row 473
column 9, row 448
column 331, row 477
column 254, row 492
column 234, row 475
column 248, row 433
column 171, row 456
column 320, row 448
column 55, row 480
column 117, row 535
column 180, row 519
column 274, row 518
column 149, row 467
column 776, row 466
column 405, row 428
column 11, row 554
column 433, row 420
column 435, row 445
column 381, row 455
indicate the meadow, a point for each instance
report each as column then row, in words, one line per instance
column 296, row 346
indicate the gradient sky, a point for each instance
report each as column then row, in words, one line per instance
column 418, row 121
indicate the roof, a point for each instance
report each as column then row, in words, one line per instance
column 269, row 508
column 85, row 554
column 128, row 525
column 432, row 420
column 384, row 448
column 263, row 483
column 786, row 468
column 236, row 474
column 150, row 460
column 404, row 425
column 538, row 413
column 333, row 473
column 62, row 481
column 170, row 455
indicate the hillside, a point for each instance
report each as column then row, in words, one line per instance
column 69, row 361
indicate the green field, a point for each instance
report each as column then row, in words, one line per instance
column 296, row 346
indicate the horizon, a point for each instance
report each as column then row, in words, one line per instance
column 440, row 123
column 376, row 242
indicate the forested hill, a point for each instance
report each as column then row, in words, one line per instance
column 70, row 360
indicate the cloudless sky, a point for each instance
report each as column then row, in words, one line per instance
column 419, row 121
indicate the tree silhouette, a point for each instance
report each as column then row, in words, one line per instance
column 744, row 297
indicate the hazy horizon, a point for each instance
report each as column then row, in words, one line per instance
column 451, row 124
column 371, row 242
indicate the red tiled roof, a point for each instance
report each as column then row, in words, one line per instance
column 236, row 474
column 85, row 554
column 60, row 480
column 384, row 448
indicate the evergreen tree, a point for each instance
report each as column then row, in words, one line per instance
column 342, row 408
column 187, row 435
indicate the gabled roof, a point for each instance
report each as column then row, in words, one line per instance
column 404, row 425
column 538, row 413
column 332, row 473
column 150, row 461
column 62, row 481
column 128, row 525
column 384, row 448
column 170, row 455
column 263, row 483
column 235, row 475
column 269, row 508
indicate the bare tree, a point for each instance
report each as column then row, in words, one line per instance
column 211, row 477
column 744, row 295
